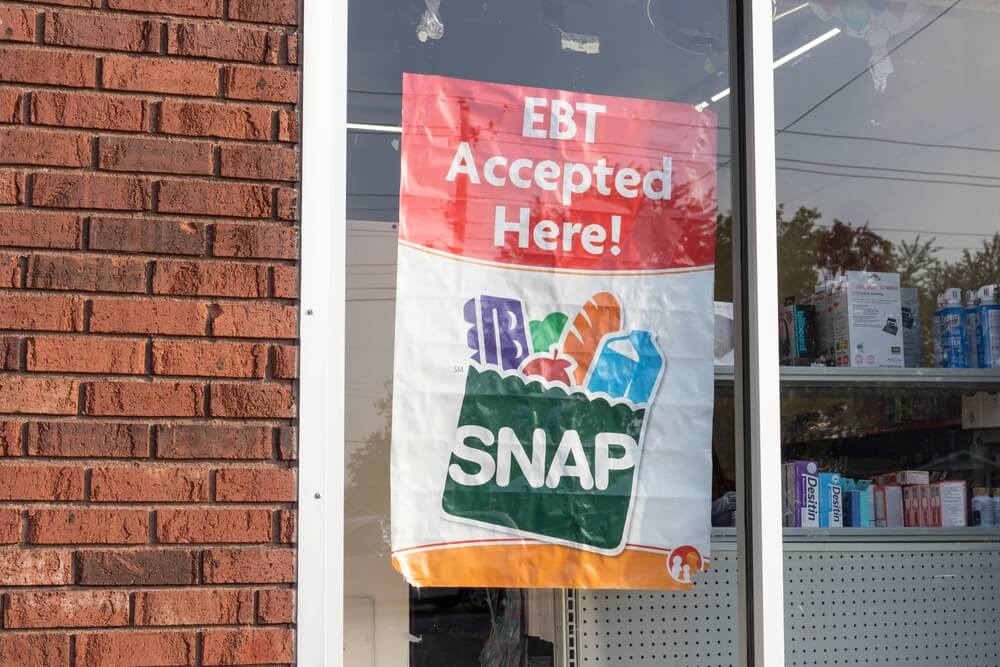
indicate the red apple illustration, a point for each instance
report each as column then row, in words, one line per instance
column 553, row 369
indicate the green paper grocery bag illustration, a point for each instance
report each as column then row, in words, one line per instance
column 535, row 453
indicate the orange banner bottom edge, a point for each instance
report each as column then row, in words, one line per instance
column 526, row 565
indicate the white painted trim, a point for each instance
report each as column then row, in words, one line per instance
column 760, row 545
column 320, row 617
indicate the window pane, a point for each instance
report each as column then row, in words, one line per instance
column 887, row 238
column 657, row 50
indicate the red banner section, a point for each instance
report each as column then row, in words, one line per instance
column 554, row 179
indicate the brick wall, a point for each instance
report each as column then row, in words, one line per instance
column 148, row 276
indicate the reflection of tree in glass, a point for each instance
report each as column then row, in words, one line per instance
column 367, row 467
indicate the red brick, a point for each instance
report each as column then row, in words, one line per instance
column 10, row 270
column 10, row 438
column 288, row 126
column 207, row 198
column 255, row 320
column 54, row 68
column 255, row 485
column 88, row 526
column 41, row 312
column 286, row 526
column 197, row 607
column 275, row 606
column 252, row 400
column 225, row 42
column 40, row 482
column 213, row 442
column 109, row 112
column 207, row 8
column 34, row 650
column 168, row 237
column 263, row 84
column 148, row 317
column 265, row 11
column 156, row 75
column 212, row 278
column 19, row 145
column 66, row 609
column 226, row 121
column 10, row 357
column 18, row 24
column 247, row 646
column 87, row 273
column 171, row 567
column 11, row 104
column 61, row 190
column 286, row 282
column 288, row 443
column 206, row 358
column 86, row 354
column 293, row 48
column 261, row 162
column 167, row 156
column 11, row 187
column 145, row 483
column 285, row 361
column 145, row 399
column 29, row 229
column 101, row 31
column 35, row 567
column 212, row 525
column 268, row 240
column 10, row 526
column 38, row 395
column 135, row 649
column 91, row 440
column 288, row 204
column 249, row 566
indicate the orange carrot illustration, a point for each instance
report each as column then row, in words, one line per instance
column 601, row 315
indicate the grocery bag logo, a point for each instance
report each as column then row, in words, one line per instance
column 550, row 431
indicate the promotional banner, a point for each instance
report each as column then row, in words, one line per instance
column 553, row 372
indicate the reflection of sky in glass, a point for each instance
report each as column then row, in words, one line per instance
column 919, row 158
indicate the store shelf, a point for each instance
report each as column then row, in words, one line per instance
column 725, row 536
column 809, row 376
column 862, row 432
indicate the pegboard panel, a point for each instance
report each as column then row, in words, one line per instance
column 846, row 604
column 652, row 628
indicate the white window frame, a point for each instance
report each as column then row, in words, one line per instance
column 320, row 563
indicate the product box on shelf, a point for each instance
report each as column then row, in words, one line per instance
column 797, row 334
column 859, row 504
column 802, row 494
column 949, row 503
column 888, row 506
column 913, row 352
column 980, row 410
column 831, row 507
column 865, row 315
column 905, row 478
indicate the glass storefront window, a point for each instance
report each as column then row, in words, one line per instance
column 886, row 144
column 654, row 50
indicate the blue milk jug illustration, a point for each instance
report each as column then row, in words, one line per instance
column 628, row 366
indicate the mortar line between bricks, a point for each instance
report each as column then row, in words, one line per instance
column 269, row 262
column 146, row 215
column 152, row 176
column 215, row 299
column 215, row 20
column 152, row 95
column 143, row 134
column 156, row 57
column 142, row 378
column 192, row 338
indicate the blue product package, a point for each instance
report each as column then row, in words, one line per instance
column 831, row 506
column 867, row 501
column 988, row 331
column 852, row 502
column 627, row 366
column 954, row 341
